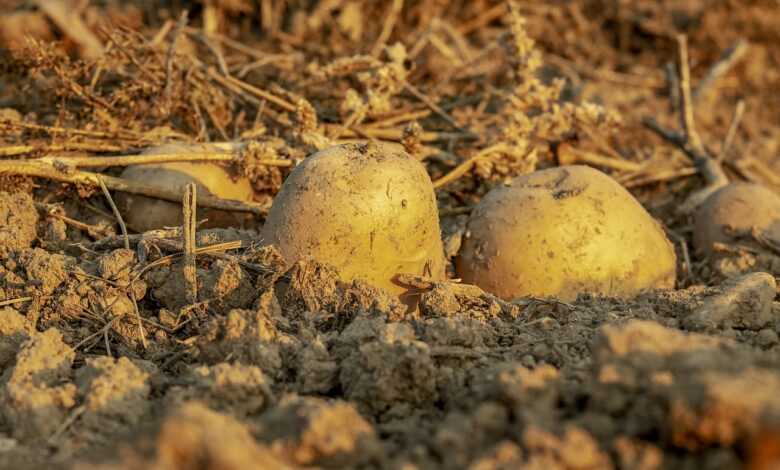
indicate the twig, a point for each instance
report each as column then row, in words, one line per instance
column 387, row 28
column 689, row 141
column 568, row 155
column 128, row 160
column 483, row 19
column 13, row 150
column 115, row 210
column 253, row 52
column 611, row 76
column 434, row 107
column 642, row 179
column 464, row 167
column 123, row 229
column 216, row 248
column 100, row 332
column 727, row 61
column 399, row 118
column 396, row 134
column 5, row 303
column 172, row 52
column 686, row 104
column 728, row 141
column 93, row 230
column 189, row 206
column 128, row 135
column 72, row 417
column 262, row 94
column 45, row 170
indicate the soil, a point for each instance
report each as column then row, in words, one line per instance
column 104, row 364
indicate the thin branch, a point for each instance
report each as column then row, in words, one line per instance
column 262, row 94
column 434, row 107
column 686, row 103
column 728, row 141
column 189, row 271
column 727, row 61
column 464, row 167
column 14, row 150
column 387, row 28
column 123, row 228
column 128, row 160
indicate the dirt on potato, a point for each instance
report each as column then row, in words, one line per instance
column 106, row 362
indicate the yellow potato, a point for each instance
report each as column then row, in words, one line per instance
column 734, row 209
column 369, row 210
column 143, row 213
column 561, row 232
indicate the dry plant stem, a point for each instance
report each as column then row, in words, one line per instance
column 760, row 171
column 727, row 61
column 117, row 214
column 434, row 107
column 387, row 28
column 483, row 19
column 395, row 134
column 686, row 103
column 14, row 150
column 689, row 141
column 161, row 33
column 607, row 75
column 568, row 155
column 123, row 134
column 211, row 249
column 189, row 207
column 92, row 230
column 739, row 112
column 45, row 170
column 464, row 167
column 642, row 179
column 6, row 303
column 126, row 239
column 262, row 94
column 74, row 415
column 398, row 119
column 237, row 46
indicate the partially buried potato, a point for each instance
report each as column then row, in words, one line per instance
column 143, row 213
column 561, row 232
column 736, row 210
column 368, row 210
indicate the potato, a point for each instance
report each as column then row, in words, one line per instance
column 368, row 210
column 735, row 208
column 561, row 232
column 143, row 213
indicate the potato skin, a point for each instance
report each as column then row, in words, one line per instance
column 369, row 210
column 739, row 207
column 144, row 213
column 561, row 232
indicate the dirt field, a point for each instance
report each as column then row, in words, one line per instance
column 106, row 364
